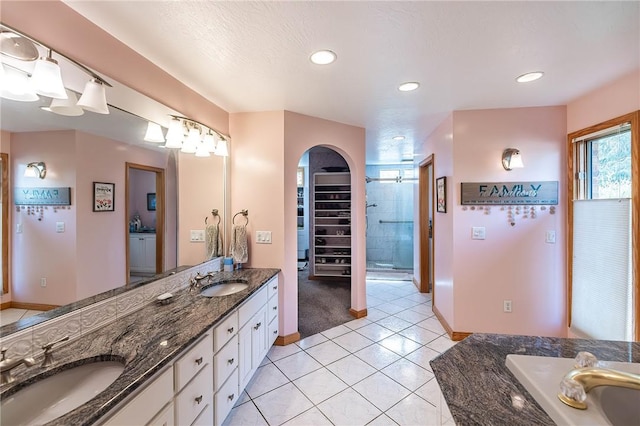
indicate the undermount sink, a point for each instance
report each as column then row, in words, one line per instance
column 606, row 405
column 224, row 289
column 50, row 398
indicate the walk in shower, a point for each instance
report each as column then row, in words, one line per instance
column 390, row 218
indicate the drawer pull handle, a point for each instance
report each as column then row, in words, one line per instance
column 230, row 330
column 230, row 361
column 257, row 326
column 275, row 331
column 199, row 399
column 233, row 395
column 275, row 287
column 275, row 308
column 199, row 361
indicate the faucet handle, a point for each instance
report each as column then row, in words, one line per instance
column 586, row 359
column 4, row 354
column 47, row 347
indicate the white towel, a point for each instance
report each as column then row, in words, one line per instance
column 213, row 241
column 239, row 247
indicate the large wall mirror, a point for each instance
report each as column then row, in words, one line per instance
column 123, row 193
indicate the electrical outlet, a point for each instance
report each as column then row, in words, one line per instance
column 478, row 233
column 43, row 282
column 19, row 228
column 507, row 305
column 197, row 236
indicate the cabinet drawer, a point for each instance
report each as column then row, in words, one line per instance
column 195, row 397
column 225, row 331
column 194, row 360
column 224, row 362
column 252, row 306
column 272, row 309
column 226, row 398
column 144, row 406
column 272, row 287
column 164, row 418
column 273, row 332
column 205, row 418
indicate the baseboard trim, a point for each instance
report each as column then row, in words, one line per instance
column 358, row 314
column 453, row 335
column 416, row 283
column 32, row 306
column 5, row 305
column 288, row 339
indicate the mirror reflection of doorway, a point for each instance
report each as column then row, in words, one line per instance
column 145, row 221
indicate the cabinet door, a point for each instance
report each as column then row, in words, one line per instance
column 149, row 260
column 259, row 331
column 136, row 253
column 244, row 355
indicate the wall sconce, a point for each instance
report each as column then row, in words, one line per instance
column 36, row 170
column 512, row 159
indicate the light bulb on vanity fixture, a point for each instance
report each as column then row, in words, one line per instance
column 512, row 159
column 47, row 78
column 36, row 169
column 175, row 134
column 94, row 97
column 16, row 85
column 65, row 107
column 193, row 137
column 154, row 133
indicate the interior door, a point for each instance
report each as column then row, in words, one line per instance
column 425, row 189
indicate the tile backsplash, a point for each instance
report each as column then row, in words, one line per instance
column 29, row 342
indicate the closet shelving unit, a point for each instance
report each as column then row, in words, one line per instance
column 331, row 242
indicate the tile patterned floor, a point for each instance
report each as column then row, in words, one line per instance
column 10, row 315
column 370, row 371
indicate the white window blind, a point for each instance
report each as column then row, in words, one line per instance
column 601, row 305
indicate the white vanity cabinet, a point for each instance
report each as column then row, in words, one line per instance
column 142, row 253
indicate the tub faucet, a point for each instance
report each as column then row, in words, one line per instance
column 577, row 382
column 6, row 365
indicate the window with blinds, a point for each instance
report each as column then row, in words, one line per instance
column 602, row 279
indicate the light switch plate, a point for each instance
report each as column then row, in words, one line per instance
column 263, row 237
column 197, row 236
column 478, row 233
column 550, row 237
column 59, row 226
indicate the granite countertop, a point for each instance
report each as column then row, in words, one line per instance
column 145, row 341
column 479, row 388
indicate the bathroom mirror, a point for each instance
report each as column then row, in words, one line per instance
column 75, row 247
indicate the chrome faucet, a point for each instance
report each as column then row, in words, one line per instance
column 195, row 281
column 6, row 365
column 578, row 382
column 48, row 356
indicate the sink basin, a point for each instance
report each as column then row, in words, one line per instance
column 224, row 289
column 607, row 405
column 50, row 398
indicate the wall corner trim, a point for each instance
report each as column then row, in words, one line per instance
column 288, row 339
column 453, row 335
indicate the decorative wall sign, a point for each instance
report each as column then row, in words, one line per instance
column 512, row 193
column 103, row 195
column 441, row 194
column 54, row 196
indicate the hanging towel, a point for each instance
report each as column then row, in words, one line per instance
column 213, row 241
column 239, row 247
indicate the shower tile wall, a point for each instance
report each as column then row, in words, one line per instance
column 389, row 245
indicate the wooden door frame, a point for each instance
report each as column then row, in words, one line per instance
column 160, row 214
column 5, row 223
column 424, row 184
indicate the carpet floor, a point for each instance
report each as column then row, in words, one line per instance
column 321, row 304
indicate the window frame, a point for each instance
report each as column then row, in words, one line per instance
column 574, row 189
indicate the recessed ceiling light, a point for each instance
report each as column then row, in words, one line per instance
column 530, row 76
column 398, row 138
column 323, row 57
column 408, row 86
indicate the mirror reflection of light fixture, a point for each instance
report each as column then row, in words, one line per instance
column 202, row 151
column 175, row 134
column 209, row 142
column 190, row 145
column 94, row 97
column 222, row 149
column 47, row 78
column 512, row 159
column 15, row 85
column 36, row 169
column 66, row 107
column 193, row 137
column 154, row 133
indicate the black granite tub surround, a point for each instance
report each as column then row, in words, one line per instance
column 146, row 341
column 480, row 390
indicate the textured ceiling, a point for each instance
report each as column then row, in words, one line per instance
column 253, row 56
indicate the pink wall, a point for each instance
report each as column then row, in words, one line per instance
column 200, row 189
column 267, row 147
column 91, row 239
column 5, row 147
column 141, row 183
column 512, row 263
column 617, row 98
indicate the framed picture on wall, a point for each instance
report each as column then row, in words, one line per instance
column 103, row 196
column 441, row 194
column 151, row 201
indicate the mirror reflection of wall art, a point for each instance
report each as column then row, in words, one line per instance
column 151, row 201
column 441, row 194
column 103, row 196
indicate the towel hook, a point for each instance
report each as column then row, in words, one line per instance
column 244, row 213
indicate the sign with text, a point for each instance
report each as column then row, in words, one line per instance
column 55, row 196
column 508, row 193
